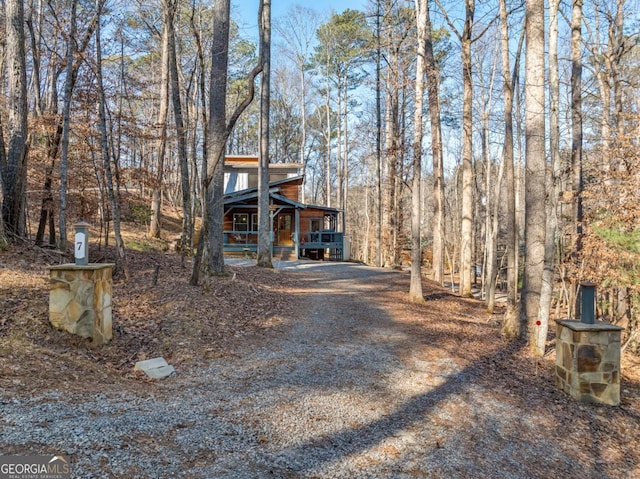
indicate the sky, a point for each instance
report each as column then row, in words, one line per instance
column 245, row 12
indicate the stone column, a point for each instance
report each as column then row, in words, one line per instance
column 80, row 300
column 588, row 361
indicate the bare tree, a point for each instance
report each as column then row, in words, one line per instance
column 535, row 190
column 415, row 288
column 155, row 224
column 511, row 325
column 264, row 233
column 299, row 27
column 576, row 121
column 3, row 236
column 433, row 85
column 14, row 167
column 466, row 228
column 467, row 153
column 114, row 199
column 66, row 113
column 378, row 138
column 553, row 173
column 54, row 137
column 187, row 224
column 218, row 131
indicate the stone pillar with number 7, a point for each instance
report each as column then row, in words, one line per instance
column 80, row 293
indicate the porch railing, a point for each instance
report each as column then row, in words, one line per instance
column 325, row 240
column 239, row 240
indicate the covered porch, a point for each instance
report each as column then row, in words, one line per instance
column 297, row 230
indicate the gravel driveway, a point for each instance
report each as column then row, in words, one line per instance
column 344, row 391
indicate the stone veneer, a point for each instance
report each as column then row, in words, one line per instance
column 588, row 361
column 80, row 300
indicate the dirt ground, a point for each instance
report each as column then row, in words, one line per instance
column 190, row 326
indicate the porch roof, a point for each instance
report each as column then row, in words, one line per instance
column 254, row 189
column 249, row 196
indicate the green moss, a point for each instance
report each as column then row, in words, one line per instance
column 146, row 245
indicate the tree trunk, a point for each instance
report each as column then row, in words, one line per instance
column 392, row 148
column 218, row 131
column 187, row 223
column 64, row 146
column 265, row 230
column 345, row 158
column 433, row 85
column 511, row 326
column 535, row 179
column 576, row 123
column 492, row 247
column 303, row 131
column 415, row 288
column 546, row 292
column 3, row 236
column 121, row 262
column 155, row 224
column 378, row 139
column 15, row 167
column 54, row 140
column 467, row 154
column 327, row 106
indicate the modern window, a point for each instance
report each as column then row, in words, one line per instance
column 240, row 222
column 315, row 224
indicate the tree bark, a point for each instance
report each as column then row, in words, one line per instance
column 511, row 326
column 64, row 146
column 378, row 139
column 546, row 292
column 218, row 131
column 415, row 287
column 155, row 224
column 433, row 85
column 14, row 169
column 576, row 122
column 391, row 159
column 467, row 154
column 265, row 230
column 535, row 179
column 114, row 203
column 187, row 223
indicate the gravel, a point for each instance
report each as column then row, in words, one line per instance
column 343, row 392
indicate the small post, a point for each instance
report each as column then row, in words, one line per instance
column 587, row 302
column 81, row 243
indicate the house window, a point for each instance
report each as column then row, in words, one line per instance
column 240, row 222
column 252, row 180
column 315, row 224
column 284, row 222
column 277, row 177
column 254, row 222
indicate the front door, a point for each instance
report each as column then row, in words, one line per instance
column 284, row 236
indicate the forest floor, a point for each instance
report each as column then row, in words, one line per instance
column 313, row 370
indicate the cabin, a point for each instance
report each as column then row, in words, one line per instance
column 297, row 230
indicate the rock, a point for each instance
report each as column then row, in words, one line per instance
column 156, row 368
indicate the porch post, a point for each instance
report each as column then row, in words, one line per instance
column 272, row 214
column 296, row 235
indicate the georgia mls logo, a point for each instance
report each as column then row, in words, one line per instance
column 34, row 467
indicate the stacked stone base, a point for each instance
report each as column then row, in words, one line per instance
column 80, row 300
column 588, row 361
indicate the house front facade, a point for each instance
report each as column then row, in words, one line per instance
column 297, row 230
